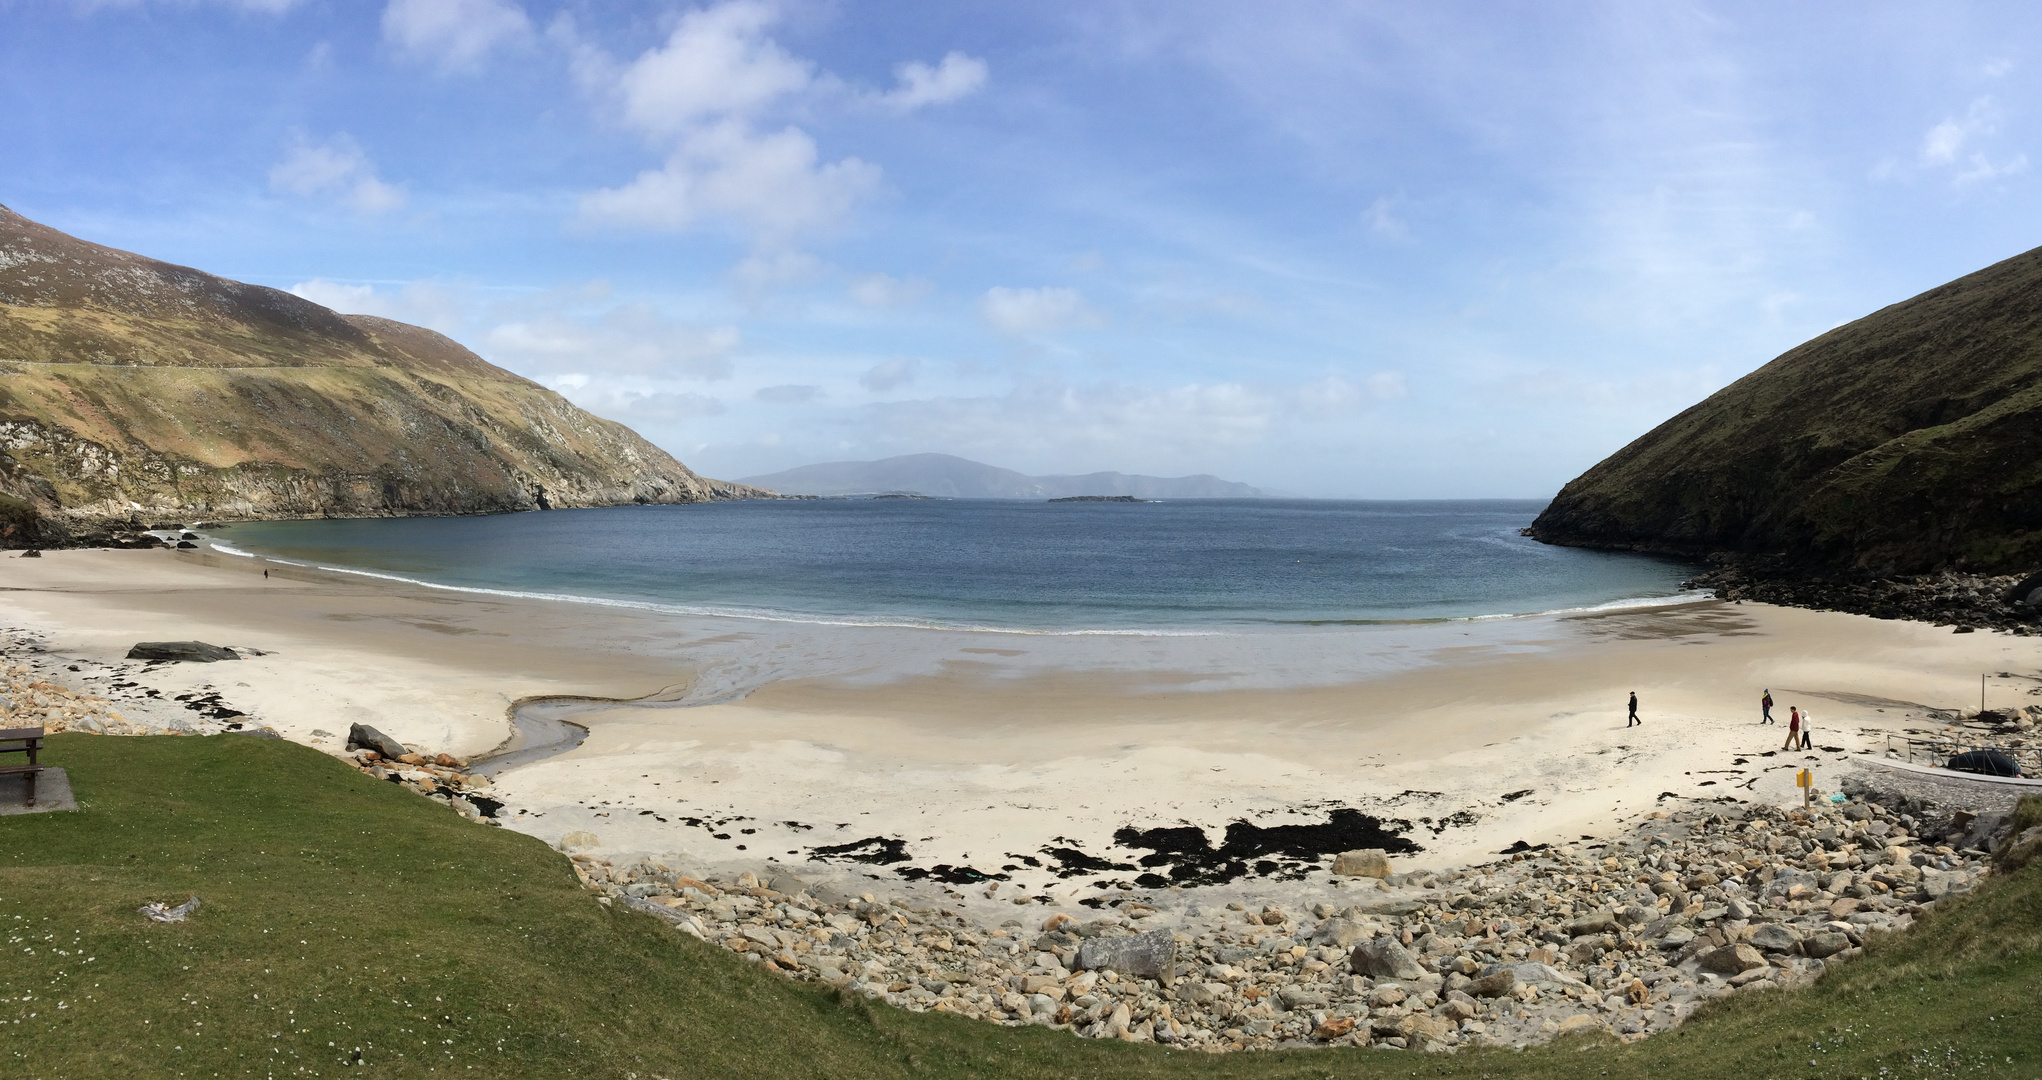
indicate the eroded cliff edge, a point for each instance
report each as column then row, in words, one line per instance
column 132, row 388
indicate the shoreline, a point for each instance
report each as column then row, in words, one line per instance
column 1003, row 788
column 1463, row 744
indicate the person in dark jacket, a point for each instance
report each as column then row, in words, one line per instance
column 1765, row 708
column 1634, row 721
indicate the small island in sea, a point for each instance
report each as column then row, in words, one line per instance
column 1101, row 498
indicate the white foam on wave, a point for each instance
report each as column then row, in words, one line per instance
column 738, row 613
column 1692, row 597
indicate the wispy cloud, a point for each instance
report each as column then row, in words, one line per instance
column 958, row 76
column 1952, row 145
column 267, row 7
column 1028, row 312
column 773, row 186
column 788, row 393
column 456, row 34
column 890, row 375
column 887, row 291
column 337, row 169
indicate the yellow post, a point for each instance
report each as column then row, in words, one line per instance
column 1806, row 780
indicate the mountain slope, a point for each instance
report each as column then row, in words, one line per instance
column 1907, row 441
column 133, row 386
column 956, row 477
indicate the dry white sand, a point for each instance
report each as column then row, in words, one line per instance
column 985, row 758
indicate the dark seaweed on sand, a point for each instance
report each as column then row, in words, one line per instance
column 1194, row 861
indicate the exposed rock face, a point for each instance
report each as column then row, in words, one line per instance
column 197, row 652
column 1905, row 442
column 131, row 386
column 364, row 737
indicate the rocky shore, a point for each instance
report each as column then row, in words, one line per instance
column 1624, row 936
column 1966, row 602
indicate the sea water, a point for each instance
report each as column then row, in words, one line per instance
column 1189, row 567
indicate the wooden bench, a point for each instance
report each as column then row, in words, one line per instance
column 23, row 740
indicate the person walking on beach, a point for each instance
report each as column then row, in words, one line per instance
column 1634, row 721
column 1793, row 727
column 1765, row 708
column 1807, row 725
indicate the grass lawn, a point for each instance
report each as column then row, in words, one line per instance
column 340, row 913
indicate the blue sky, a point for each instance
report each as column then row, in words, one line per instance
column 1338, row 249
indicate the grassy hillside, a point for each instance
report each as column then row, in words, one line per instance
column 1907, row 441
column 126, row 382
column 340, row 912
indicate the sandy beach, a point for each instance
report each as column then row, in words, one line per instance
column 974, row 755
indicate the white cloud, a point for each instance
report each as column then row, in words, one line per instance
column 957, row 76
column 628, row 338
column 420, row 303
column 579, row 329
column 789, row 394
column 1381, row 217
column 890, row 375
column 1953, row 144
column 1025, row 312
column 455, row 33
column 336, row 168
column 346, row 299
column 1337, row 394
column 886, row 291
column 1943, row 142
column 716, row 65
column 1980, row 169
column 771, row 184
column 268, row 7
column 1387, row 386
column 764, row 268
column 713, row 97
column 634, row 405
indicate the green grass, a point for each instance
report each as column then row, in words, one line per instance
column 340, row 913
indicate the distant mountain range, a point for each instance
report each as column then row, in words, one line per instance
column 956, row 477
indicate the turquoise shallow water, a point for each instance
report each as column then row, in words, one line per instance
column 1196, row 566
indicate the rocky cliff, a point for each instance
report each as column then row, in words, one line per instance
column 135, row 388
column 1907, row 442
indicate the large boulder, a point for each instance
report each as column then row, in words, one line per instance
column 1495, row 984
column 1732, row 960
column 197, row 652
column 1787, row 877
column 1365, row 862
column 1635, row 914
column 1152, row 955
column 1340, row 932
column 1382, row 957
column 1533, row 973
column 1775, row 937
column 1826, row 944
column 364, row 737
column 1595, row 922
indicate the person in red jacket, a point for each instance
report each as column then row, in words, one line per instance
column 1793, row 727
